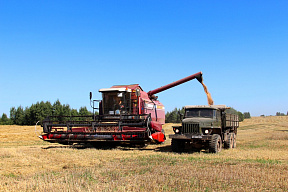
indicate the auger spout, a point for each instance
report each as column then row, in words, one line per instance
column 198, row 76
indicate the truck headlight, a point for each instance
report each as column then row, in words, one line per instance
column 177, row 130
column 206, row 131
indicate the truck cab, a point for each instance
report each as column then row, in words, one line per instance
column 206, row 126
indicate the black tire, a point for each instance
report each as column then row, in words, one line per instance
column 230, row 141
column 164, row 134
column 148, row 130
column 215, row 145
column 234, row 140
column 177, row 145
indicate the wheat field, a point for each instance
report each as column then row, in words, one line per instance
column 259, row 163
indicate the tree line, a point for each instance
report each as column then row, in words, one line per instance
column 39, row 111
column 174, row 117
column 281, row 114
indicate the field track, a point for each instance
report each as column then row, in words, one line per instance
column 259, row 163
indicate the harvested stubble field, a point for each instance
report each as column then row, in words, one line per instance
column 259, row 163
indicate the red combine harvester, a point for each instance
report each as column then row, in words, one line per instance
column 127, row 114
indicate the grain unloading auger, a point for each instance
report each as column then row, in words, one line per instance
column 127, row 114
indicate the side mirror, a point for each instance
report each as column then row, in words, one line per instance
column 90, row 95
column 181, row 115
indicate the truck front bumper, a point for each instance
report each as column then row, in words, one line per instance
column 190, row 136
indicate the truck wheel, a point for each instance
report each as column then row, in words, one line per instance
column 234, row 140
column 230, row 141
column 215, row 144
column 177, row 145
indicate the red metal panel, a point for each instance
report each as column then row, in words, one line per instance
column 156, row 125
column 158, row 136
column 133, row 87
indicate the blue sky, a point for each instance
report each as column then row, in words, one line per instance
column 62, row 50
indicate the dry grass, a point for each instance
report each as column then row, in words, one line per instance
column 259, row 163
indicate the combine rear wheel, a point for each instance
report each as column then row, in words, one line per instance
column 215, row 145
column 177, row 145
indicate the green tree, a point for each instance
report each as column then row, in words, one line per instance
column 234, row 111
column 231, row 110
column 74, row 112
column 174, row 116
column 13, row 115
column 84, row 112
column 4, row 120
column 58, row 111
column 66, row 110
column 40, row 110
column 57, row 108
column 241, row 116
column 45, row 110
column 247, row 115
column 280, row 114
column 167, row 117
column 27, row 118
column 19, row 116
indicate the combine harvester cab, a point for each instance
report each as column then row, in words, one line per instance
column 127, row 114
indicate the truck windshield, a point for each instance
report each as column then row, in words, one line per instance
column 207, row 113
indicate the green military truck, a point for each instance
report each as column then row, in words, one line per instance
column 205, row 127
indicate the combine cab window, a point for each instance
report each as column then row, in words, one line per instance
column 116, row 103
column 207, row 113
